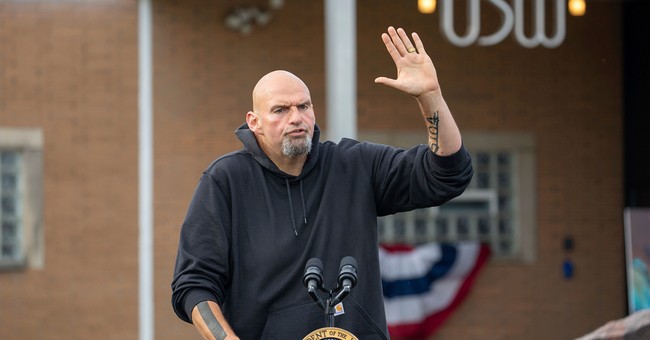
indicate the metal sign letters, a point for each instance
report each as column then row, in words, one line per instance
column 511, row 17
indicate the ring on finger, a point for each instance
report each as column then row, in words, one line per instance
column 410, row 49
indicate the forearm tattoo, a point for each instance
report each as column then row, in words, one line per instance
column 211, row 321
column 432, row 125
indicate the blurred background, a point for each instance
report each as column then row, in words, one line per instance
column 558, row 131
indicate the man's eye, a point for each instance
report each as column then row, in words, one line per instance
column 303, row 107
column 279, row 110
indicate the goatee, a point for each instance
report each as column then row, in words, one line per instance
column 294, row 147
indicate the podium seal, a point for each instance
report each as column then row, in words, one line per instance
column 330, row 333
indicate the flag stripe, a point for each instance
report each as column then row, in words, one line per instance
column 419, row 314
column 421, row 285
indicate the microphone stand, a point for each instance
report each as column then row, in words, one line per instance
column 332, row 300
column 347, row 280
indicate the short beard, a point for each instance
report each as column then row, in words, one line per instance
column 295, row 147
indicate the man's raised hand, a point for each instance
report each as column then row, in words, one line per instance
column 416, row 74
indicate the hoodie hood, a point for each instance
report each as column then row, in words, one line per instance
column 247, row 138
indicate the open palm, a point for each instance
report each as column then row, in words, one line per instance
column 416, row 74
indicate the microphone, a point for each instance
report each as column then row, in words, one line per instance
column 348, row 273
column 347, row 279
column 313, row 278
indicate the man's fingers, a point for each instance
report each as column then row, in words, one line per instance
column 380, row 80
column 390, row 47
column 418, row 43
column 384, row 80
column 397, row 41
column 408, row 46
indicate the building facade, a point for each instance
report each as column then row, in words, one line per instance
column 69, row 75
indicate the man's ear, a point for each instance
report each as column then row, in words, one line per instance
column 253, row 121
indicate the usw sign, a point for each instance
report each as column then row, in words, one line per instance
column 512, row 19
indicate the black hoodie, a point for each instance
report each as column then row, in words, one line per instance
column 250, row 229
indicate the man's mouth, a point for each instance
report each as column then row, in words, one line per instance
column 297, row 132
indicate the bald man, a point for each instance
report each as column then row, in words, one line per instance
column 260, row 213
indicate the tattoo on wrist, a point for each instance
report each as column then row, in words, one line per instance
column 432, row 125
column 211, row 321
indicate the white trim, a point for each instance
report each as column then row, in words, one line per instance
column 21, row 138
column 341, row 70
column 145, row 172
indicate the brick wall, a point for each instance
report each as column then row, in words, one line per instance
column 71, row 68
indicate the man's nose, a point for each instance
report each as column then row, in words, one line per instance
column 294, row 115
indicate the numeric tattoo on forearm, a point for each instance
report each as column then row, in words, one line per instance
column 211, row 321
column 432, row 125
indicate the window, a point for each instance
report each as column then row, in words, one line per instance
column 21, row 232
column 10, row 207
column 497, row 208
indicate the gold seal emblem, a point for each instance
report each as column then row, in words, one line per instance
column 330, row 333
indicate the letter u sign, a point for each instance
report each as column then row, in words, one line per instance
column 509, row 18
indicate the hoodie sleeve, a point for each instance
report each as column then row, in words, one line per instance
column 417, row 178
column 202, row 262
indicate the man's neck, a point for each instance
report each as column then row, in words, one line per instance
column 291, row 166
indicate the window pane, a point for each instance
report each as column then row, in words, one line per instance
column 504, row 227
column 8, row 159
column 504, row 203
column 441, row 227
column 503, row 159
column 484, row 226
column 9, row 237
column 8, row 250
column 483, row 180
column 421, row 226
column 8, row 205
column 9, row 230
column 482, row 159
column 505, row 246
column 400, row 227
column 504, row 179
column 8, row 182
column 463, row 227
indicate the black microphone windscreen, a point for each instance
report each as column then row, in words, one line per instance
column 314, row 262
column 348, row 261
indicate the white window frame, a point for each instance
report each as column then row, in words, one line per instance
column 28, row 142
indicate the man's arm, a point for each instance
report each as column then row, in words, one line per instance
column 210, row 322
column 417, row 77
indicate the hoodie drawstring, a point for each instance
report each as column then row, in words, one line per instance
column 302, row 198
column 304, row 211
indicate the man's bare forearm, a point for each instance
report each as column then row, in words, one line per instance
column 210, row 322
column 444, row 136
column 432, row 126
